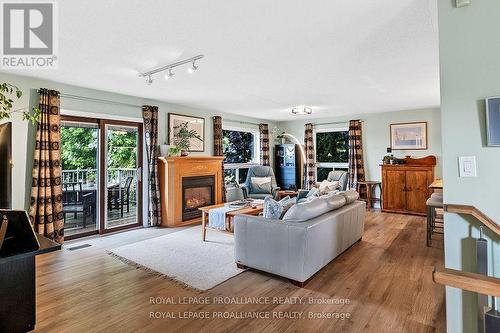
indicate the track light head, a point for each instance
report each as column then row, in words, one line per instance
column 193, row 67
column 149, row 80
column 170, row 74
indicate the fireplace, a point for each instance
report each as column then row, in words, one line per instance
column 198, row 191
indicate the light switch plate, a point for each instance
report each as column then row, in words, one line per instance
column 467, row 166
column 462, row 3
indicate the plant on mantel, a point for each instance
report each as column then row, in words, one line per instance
column 183, row 140
column 7, row 93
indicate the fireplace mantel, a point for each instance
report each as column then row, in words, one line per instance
column 171, row 171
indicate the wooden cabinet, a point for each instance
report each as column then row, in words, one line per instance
column 406, row 186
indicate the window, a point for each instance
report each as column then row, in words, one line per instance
column 332, row 151
column 241, row 151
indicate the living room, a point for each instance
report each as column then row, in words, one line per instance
column 224, row 166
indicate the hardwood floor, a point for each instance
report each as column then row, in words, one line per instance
column 386, row 278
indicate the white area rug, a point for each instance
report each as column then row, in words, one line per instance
column 182, row 256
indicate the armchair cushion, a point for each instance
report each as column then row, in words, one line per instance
column 260, row 185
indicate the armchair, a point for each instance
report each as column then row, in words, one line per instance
column 259, row 171
column 340, row 176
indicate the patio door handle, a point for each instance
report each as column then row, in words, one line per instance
column 139, row 174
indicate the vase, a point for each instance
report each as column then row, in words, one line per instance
column 184, row 153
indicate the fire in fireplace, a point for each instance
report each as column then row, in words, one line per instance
column 196, row 192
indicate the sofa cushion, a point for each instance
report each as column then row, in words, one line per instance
column 306, row 210
column 350, row 196
column 260, row 185
column 335, row 201
column 276, row 209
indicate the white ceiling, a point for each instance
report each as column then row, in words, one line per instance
column 261, row 57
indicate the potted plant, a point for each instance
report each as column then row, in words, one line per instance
column 6, row 103
column 183, row 138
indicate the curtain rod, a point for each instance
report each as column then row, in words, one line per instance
column 335, row 123
column 239, row 122
column 98, row 100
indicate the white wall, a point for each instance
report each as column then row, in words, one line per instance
column 376, row 135
column 22, row 136
column 470, row 71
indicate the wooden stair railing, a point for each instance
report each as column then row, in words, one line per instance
column 473, row 211
column 481, row 284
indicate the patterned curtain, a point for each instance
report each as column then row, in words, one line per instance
column 46, row 208
column 356, row 163
column 150, row 117
column 310, row 174
column 264, row 144
column 219, row 149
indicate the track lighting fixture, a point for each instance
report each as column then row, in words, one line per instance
column 193, row 67
column 170, row 74
column 149, row 75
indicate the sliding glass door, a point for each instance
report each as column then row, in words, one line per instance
column 123, row 174
column 102, row 175
column 80, row 175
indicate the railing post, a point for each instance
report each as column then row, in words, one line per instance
column 482, row 268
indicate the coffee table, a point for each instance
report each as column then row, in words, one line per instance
column 246, row 210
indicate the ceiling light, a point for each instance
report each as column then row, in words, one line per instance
column 301, row 110
column 193, row 68
column 149, row 74
column 170, row 74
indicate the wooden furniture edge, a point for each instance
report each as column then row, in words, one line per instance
column 473, row 282
column 473, row 211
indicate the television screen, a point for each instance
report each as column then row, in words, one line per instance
column 5, row 166
column 493, row 121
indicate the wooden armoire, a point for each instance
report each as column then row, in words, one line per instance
column 405, row 186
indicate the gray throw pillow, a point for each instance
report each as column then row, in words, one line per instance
column 313, row 193
column 276, row 209
column 260, row 185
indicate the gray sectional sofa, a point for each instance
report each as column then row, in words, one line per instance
column 311, row 234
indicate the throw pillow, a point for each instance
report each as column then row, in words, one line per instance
column 326, row 186
column 314, row 192
column 276, row 209
column 260, row 185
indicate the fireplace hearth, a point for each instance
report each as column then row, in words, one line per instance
column 197, row 191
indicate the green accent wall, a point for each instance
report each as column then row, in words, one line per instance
column 469, row 42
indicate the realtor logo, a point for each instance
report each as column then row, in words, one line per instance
column 28, row 35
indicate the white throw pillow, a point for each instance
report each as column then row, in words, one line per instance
column 260, row 185
column 326, row 186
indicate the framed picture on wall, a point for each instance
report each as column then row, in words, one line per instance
column 493, row 121
column 409, row 136
column 175, row 121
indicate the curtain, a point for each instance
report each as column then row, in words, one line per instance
column 150, row 117
column 264, row 144
column 356, row 163
column 310, row 174
column 219, row 149
column 46, row 208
